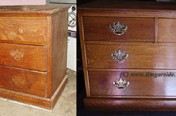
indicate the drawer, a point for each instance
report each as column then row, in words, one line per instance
column 128, row 29
column 166, row 30
column 138, row 83
column 23, row 81
column 24, row 56
column 155, row 56
column 27, row 31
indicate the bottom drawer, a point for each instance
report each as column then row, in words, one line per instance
column 31, row 82
column 138, row 83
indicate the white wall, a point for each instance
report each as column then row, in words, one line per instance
column 71, row 53
column 63, row 1
column 22, row 2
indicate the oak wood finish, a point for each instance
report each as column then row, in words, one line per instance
column 166, row 34
column 142, row 83
column 139, row 56
column 98, row 29
column 23, row 30
column 24, row 56
column 26, row 81
column 33, row 45
column 153, row 53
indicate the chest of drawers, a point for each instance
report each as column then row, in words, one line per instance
column 128, row 51
column 33, row 48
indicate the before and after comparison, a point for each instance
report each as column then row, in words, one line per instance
column 87, row 58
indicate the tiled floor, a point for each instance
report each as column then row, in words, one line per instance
column 66, row 105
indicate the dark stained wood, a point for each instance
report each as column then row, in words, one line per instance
column 139, row 29
column 23, row 56
column 153, row 51
column 106, row 5
column 83, row 50
column 31, row 82
column 33, row 46
column 142, row 83
column 149, row 56
column 132, row 104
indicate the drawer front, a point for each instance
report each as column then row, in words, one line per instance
column 128, row 29
column 138, row 83
column 166, row 30
column 27, row 31
column 24, row 56
column 23, row 81
column 115, row 56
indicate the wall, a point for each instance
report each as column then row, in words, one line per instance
column 64, row 1
column 22, row 2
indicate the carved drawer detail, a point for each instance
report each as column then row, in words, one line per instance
column 17, row 54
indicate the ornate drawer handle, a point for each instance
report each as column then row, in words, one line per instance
column 119, row 56
column 121, row 84
column 118, row 28
column 17, row 54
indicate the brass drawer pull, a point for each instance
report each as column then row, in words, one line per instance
column 121, row 84
column 119, row 56
column 118, row 28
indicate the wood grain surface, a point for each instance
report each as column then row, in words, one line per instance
column 31, row 82
column 23, row 56
column 33, row 47
column 142, row 83
column 150, row 44
column 166, row 30
column 23, row 30
column 98, row 29
column 151, row 56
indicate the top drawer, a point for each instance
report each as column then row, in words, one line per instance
column 27, row 31
column 125, row 29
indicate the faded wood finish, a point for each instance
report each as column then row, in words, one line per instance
column 59, row 43
column 47, row 103
column 33, row 45
column 23, row 56
column 31, row 82
column 150, row 56
column 139, row 29
column 153, row 51
column 23, row 30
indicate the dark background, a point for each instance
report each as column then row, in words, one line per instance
column 81, row 111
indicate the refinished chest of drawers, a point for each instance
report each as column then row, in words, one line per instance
column 128, row 52
column 33, row 48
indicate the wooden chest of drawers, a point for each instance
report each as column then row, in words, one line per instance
column 128, row 52
column 33, row 47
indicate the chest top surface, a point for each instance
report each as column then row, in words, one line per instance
column 132, row 5
column 32, row 9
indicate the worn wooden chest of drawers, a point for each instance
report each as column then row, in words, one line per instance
column 128, row 52
column 33, row 48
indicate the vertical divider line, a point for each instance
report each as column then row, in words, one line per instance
column 156, row 29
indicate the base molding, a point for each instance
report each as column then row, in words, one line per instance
column 35, row 100
column 130, row 104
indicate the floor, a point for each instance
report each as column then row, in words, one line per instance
column 66, row 105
